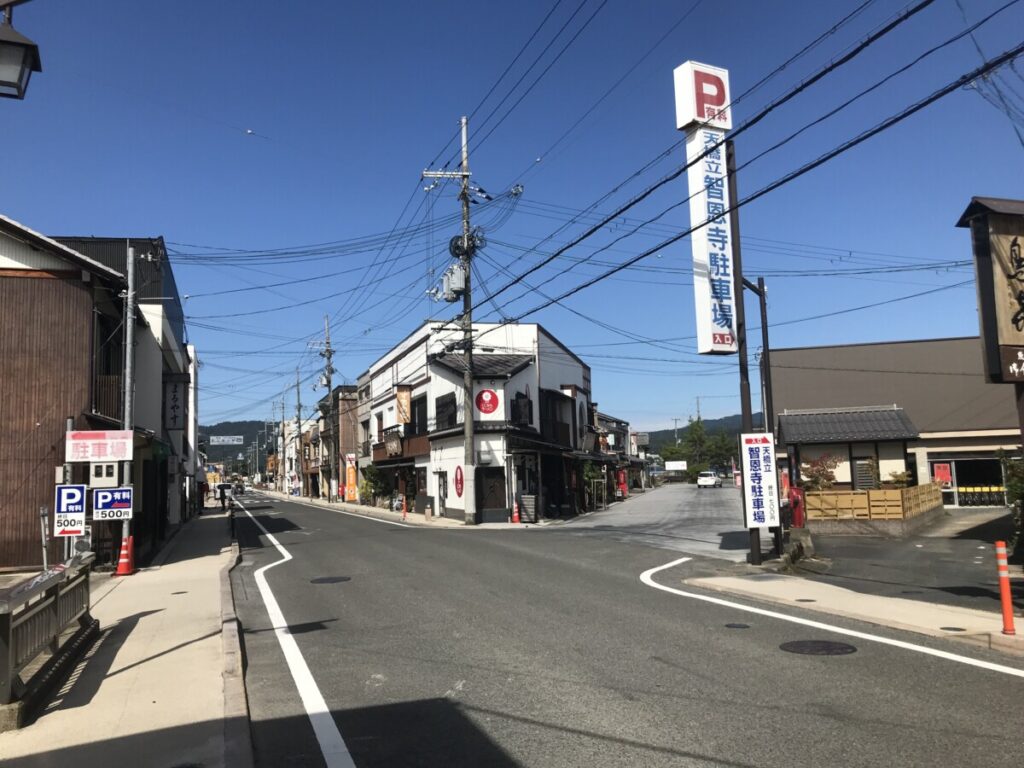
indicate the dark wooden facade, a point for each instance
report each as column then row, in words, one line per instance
column 46, row 376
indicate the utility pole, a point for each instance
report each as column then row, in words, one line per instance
column 698, row 407
column 746, row 411
column 466, row 258
column 298, row 430
column 676, row 429
column 128, row 417
column 328, row 355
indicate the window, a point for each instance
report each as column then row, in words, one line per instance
column 418, row 417
column 445, row 411
column 380, row 427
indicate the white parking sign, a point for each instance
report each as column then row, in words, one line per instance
column 69, row 511
column 112, row 504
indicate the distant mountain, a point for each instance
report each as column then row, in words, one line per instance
column 728, row 424
column 247, row 430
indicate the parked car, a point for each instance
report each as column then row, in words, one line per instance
column 709, row 480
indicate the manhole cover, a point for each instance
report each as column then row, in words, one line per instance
column 805, row 600
column 818, row 648
column 952, row 629
column 330, row 579
column 737, row 625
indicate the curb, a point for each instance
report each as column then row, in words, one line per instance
column 238, row 751
column 371, row 512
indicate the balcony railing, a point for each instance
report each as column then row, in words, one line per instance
column 108, row 396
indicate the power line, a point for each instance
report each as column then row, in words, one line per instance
column 747, row 124
column 806, row 168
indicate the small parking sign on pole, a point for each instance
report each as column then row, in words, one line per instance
column 112, row 504
column 69, row 510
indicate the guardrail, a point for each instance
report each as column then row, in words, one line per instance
column 34, row 613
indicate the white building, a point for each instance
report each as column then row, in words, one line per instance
column 532, row 421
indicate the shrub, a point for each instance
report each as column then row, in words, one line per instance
column 819, row 474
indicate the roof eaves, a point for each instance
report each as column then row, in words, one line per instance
column 17, row 229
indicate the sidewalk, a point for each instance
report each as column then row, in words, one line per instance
column 413, row 518
column 152, row 691
column 964, row 624
column 940, row 582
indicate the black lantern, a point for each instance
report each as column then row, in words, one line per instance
column 19, row 58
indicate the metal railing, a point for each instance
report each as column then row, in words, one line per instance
column 34, row 613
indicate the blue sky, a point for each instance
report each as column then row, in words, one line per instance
column 257, row 126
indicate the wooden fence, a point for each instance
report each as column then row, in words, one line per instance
column 882, row 504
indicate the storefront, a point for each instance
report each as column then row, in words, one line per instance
column 968, row 480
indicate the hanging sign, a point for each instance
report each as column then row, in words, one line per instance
column 704, row 112
column 487, row 401
column 96, row 446
column 460, row 482
column 760, row 481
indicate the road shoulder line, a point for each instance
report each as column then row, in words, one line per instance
column 647, row 577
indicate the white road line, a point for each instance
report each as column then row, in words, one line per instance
column 647, row 577
column 350, row 514
column 335, row 753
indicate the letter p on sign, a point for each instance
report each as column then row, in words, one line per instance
column 702, row 96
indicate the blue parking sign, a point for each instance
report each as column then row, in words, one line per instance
column 69, row 511
column 112, row 504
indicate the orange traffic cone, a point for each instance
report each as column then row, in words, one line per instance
column 515, row 511
column 124, row 565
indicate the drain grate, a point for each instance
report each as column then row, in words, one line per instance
column 737, row 625
column 952, row 629
column 806, row 600
column 330, row 579
column 818, row 648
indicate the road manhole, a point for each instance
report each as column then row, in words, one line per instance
column 818, row 648
column 737, row 625
column 806, row 600
column 330, row 579
column 952, row 629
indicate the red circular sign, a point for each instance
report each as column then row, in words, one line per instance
column 459, row 481
column 487, row 401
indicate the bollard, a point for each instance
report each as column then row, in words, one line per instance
column 1004, row 588
column 405, row 508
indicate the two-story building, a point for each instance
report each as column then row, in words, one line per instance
column 530, row 408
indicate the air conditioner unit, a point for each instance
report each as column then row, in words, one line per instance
column 484, row 457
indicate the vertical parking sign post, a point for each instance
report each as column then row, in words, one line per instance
column 760, row 485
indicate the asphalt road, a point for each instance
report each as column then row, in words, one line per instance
column 677, row 517
column 542, row 647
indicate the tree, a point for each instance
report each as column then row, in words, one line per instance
column 721, row 449
column 819, row 474
column 695, row 443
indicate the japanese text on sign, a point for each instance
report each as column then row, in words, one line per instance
column 760, row 481
column 112, row 504
column 69, row 510
column 98, row 446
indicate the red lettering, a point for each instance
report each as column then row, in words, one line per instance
column 709, row 93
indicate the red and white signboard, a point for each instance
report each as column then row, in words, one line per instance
column 760, row 487
column 702, row 96
column 99, row 446
column 460, row 482
column 703, row 111
column 487, row 401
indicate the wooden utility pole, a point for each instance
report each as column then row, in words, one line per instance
column 466, row 259
column 328, row 355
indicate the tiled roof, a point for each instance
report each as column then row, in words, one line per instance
column 486, row 366
column 850, row 425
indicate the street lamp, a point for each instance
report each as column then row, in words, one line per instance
column 19, row 56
